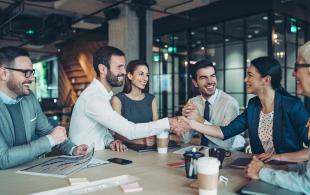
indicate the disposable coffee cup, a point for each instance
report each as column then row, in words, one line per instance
column 162, row 142
column 208, row 172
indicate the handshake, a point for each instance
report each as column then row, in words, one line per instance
column 179, row 125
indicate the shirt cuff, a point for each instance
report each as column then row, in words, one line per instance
column 207, row 123
column 109, row 142
column 71, row 151
column 265, row 174
column 51, row 140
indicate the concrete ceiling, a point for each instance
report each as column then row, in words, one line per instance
column 16, row 16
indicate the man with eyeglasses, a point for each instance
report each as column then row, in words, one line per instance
column 24, row 129
column 295, row 177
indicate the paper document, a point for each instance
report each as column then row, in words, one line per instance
column 61, row 166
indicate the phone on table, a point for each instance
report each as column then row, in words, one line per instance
column 120, row 161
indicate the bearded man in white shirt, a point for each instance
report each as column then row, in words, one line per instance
column 93, row 115
column 212, row 105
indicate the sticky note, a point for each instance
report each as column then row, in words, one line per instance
column 78, row 181
column 132, row 187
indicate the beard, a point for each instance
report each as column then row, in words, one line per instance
column 115, row 80
column 18, row 88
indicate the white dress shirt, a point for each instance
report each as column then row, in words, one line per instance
column 93, row 116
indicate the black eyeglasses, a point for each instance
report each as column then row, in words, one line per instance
column 301, row 65
column 28, row 72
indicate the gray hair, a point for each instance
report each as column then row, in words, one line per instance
column 304, row 51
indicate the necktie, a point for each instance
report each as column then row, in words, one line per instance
column 206, row 115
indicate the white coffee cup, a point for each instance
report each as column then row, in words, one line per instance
column 208, row 172
column 162, row 142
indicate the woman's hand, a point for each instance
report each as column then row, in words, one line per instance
column 266, row 157
column 252, row 171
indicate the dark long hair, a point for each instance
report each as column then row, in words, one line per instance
column 270, row 66
column 131, row 67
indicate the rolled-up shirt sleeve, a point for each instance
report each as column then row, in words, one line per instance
column 103, row 113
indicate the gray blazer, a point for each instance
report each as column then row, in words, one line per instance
column 36, row 127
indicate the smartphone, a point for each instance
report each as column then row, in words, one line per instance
column 120, row 161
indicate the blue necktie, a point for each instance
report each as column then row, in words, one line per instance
column 206, row 115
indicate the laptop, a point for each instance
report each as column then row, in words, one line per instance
column 143, row 148
column 256, row 187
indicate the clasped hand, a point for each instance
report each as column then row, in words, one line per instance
column 179, row 125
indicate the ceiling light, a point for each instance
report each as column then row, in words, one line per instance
column 265, row 18
column 226, row 40
column 86, row 25
column 192, row 33
column 250, row 36
column 256, row 32
column 215, row 28
column 202, row 48
column 278, row 21
column 166, row 46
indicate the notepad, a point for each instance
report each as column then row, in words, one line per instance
column 132, row 187
column 78, row 181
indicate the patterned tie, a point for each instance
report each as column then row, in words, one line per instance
column 206, row 115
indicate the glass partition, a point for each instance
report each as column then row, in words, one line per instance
column 231, row 44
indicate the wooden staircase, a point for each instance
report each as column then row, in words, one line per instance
column 77, row 77
column 76, row 62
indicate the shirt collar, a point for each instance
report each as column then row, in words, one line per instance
column 8, row 100
column 211, row 100
column 101, row 87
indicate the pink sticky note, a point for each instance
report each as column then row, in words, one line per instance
column 132, row 187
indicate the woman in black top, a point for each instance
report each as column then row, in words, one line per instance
column 135, row 103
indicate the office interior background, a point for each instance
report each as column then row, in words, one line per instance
column 170, row 35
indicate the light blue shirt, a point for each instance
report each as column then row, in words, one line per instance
column 8, row 100
column 296, row 179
